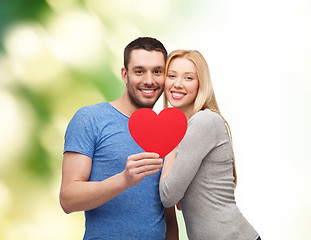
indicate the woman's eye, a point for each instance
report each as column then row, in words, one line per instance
column 171, row 76
column 189, row 78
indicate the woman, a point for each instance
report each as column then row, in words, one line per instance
column 201, row 173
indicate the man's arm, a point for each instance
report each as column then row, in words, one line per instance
column 171, row 224
column 79, row 194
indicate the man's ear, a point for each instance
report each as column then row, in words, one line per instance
column 124, row 75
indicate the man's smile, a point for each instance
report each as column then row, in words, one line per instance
column 148, row 92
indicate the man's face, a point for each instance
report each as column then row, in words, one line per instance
column 145, row 77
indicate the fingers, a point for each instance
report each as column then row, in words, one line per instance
column 145, row 165
column 142, row 165
column 178, row 206
column 147, row 173
column 145, row 161
column 143, row 155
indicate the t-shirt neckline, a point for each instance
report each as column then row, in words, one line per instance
column 117, row 110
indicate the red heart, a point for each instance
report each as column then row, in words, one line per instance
column 158, row 133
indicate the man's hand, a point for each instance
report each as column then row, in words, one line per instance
column 141, row 165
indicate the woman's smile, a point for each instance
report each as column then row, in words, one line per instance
column 177, row 95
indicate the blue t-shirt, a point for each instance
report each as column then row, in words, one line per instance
column 101, row 132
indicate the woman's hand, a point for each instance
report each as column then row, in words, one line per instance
column 178, row 206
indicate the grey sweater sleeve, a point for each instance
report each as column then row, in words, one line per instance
column 199, row 140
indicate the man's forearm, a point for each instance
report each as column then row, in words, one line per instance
column 79, row 194
column 87, row 195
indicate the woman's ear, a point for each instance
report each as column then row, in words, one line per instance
column 124, row 75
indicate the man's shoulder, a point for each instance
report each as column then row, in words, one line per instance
column 100, row 112
column 93, row 109
column 90, row 112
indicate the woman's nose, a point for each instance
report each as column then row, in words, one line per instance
column 178, row 83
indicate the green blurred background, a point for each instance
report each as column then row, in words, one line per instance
column 59, row 55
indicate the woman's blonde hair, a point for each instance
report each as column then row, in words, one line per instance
column 206, row 96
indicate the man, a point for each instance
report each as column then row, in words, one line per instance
column 105, row 173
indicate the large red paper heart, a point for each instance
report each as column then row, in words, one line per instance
column 158, row 133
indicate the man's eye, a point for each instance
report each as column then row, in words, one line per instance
column 139, row 72
column 157, row 71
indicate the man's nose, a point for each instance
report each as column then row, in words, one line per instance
column 149, row 78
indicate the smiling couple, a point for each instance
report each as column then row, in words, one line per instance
column 123, row 189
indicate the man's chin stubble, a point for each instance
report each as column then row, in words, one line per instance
column 140, row 104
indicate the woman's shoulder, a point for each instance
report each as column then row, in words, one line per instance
column 206, row 115
column 207, row 120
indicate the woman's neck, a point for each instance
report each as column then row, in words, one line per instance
column 187, row 111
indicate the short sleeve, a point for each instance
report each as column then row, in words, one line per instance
column 80, row 134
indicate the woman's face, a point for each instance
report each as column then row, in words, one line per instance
column 181, row 84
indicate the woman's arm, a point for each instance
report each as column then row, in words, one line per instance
column 168, row 164
column 200, row 139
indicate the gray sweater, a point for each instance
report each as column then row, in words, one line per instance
column 202, row 180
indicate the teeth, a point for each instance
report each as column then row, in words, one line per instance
column 148, row 91
column 175, row 94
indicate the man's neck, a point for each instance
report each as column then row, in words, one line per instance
column 124, row 105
